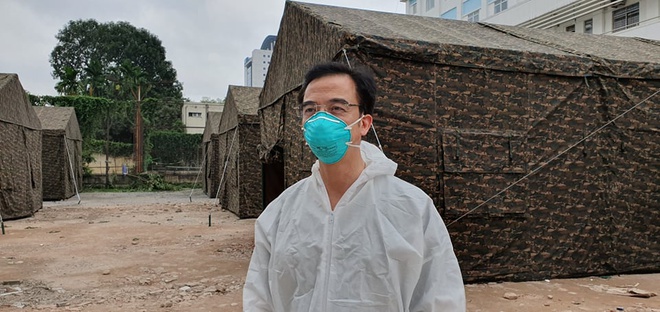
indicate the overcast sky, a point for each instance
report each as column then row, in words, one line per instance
column 206, row 40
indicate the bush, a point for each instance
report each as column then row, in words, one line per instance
column 152, row 182
column 170, row 147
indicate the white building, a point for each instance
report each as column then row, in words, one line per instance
column 193, row 115
column 256, row 67
column 631, row 18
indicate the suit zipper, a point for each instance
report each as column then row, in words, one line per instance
column 328, row 262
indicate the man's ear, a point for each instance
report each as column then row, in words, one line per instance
column 365, row 124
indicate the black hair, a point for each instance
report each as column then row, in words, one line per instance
column 365, row 86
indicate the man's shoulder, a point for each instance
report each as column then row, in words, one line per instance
column 398, row 186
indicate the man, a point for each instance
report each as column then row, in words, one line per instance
column 352, row 236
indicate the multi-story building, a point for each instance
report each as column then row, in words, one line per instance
column 193, row 115
column 256, row 67
column 631, row 18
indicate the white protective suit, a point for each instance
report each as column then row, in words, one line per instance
column 383, row 248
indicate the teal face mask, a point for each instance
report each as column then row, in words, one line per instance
column 328, row 136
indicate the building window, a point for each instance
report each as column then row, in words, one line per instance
column 570, row 28
column 626, row 17
column 413, row 9
column 473, row 17
column 451, row 14
column 430, row 4
column 589, row 26
column 469, row 6
column 195, row 114
column 500, row 5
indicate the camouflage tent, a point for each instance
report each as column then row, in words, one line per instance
column 467, row 109
column 211, row 148
column 61, row 144
column 240, row 191
column 20, row 151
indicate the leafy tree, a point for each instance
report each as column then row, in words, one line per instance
column 97, row 52
column 126, row 65
column 68, row 85
column 162, row 115
column 95, row 81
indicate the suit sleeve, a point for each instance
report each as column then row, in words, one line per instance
column 440, row 286
column 256, row 292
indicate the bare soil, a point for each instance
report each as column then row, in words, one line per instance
column 157, row 252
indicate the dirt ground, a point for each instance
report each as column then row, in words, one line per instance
column 157, row 252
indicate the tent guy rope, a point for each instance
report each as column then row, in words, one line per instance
column 224, row 170
column 197, row 177
column 73, row 174
column 543, row 164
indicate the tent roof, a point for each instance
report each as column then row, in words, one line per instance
column 246, row 99
column 54, row 118
column 14, row 104
column 212, row 125
column 312, row 33
column 240, row 101
column 444, row 32
column 59, row 119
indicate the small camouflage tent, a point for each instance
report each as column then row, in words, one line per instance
column 239, row 136
column 20, row 151
column 467, row 109
column 61, row 152
column 211, row 148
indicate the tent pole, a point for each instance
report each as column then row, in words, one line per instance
column 73, row 175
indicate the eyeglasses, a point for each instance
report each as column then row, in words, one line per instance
column 338, row 108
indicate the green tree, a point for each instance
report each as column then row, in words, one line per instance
column 126, row 65
column 95, row 78
column 97, row 50
column 162, row 115
column 69, row 84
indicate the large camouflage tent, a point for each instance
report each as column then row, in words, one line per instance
column 467, row 109
column 61, row 152
column 211, row 148
column 240, row 189
column 20, row 151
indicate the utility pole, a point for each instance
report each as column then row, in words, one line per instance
column 138, row 146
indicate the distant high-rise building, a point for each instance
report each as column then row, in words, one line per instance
column 256, row 67
column 630, row 18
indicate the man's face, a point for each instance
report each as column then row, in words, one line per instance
column 336, row 91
